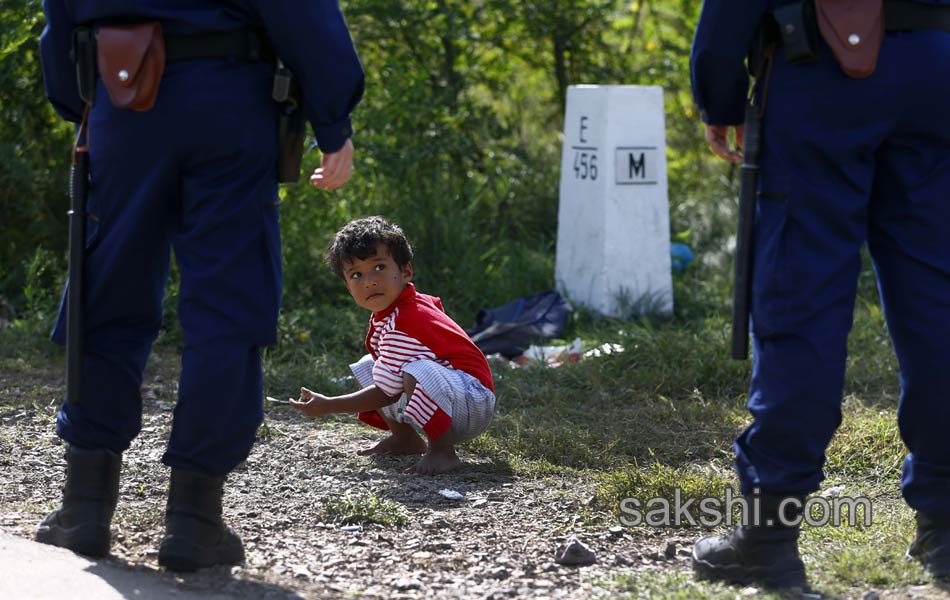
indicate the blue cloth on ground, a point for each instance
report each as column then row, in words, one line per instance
column 511, row 328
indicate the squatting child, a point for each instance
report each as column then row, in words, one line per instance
column 422, row 374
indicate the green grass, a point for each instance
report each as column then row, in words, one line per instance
column 656, row 480
column 672, row 586
column 867, row 445
column 843, row 560
column 672, row 383
column 24, row 348
column 364, row 510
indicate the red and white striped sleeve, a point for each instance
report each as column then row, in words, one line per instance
column 396, row 349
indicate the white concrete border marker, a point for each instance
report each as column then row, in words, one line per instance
column 613, row 239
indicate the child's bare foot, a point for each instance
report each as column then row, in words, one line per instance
column 402, row 444
column 438, row 460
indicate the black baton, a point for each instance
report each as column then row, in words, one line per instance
column 84, row 56
column 742, row 286
column 78, row 192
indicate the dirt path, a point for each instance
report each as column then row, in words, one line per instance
column 287, row 502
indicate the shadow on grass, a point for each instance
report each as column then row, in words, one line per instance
column 668, row 397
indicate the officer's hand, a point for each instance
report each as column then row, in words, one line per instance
column 717, row 136
column 335, row 169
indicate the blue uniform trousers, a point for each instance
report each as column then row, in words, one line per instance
column 196, row 174
column 847, row 162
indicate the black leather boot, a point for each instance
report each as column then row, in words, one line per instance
column 755, row 552
column 931, row 546
column 82, row 522
column 195, row 534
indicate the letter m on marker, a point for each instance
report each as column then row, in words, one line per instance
column 637, row 165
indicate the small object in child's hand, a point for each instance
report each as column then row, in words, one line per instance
column 272, row 399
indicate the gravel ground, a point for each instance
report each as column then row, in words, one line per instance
column 498, row 540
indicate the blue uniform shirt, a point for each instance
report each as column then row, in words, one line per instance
column 723, row 37
column 310, row 37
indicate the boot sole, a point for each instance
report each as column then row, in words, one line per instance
column 176, row 554
column 87, row 540
column 742, row 574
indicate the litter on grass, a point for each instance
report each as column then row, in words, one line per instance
column 557, row 355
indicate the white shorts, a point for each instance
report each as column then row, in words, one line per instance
column 440, row 391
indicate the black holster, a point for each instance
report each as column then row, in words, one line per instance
column 796, row 30
column 83, row 54
column 291, row 125
column 291, row 130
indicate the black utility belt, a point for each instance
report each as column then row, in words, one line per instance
column 241, row 44
column 143, row 44
column 130, row 61
column 908, row 16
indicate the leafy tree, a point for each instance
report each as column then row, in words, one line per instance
column 458, row 140
column 34, row 151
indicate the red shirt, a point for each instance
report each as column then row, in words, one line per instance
column 416, row 327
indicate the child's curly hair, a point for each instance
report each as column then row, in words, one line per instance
column 358, row 239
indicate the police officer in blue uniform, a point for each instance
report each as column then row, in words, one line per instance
column 197, row 173
column 844, row 161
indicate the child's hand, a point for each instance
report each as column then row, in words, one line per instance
column 311, row 404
